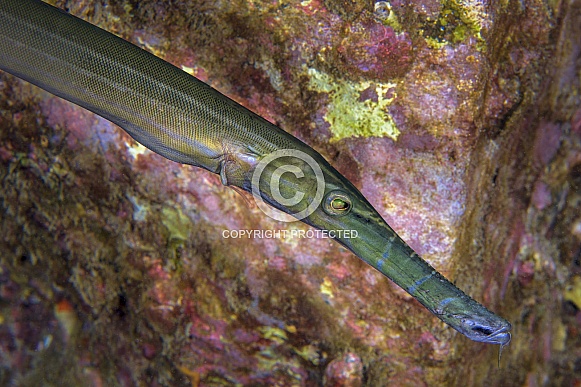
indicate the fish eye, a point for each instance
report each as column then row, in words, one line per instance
column 337, row 203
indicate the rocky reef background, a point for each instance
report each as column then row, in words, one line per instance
column 459, row 120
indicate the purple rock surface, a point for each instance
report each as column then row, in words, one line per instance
column 459, row 121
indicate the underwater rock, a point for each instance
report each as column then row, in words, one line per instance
column 459, row 121
column 373, row 50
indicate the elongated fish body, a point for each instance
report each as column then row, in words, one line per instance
column 176, row 115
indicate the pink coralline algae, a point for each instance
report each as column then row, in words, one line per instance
column 373, row 50
column 114, row 266
column 346, row 371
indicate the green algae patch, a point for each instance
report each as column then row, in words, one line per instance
column 573, row 292
column 474, row 18
column 309, row 353
column 176, row 222
column 384, row 13
column 273, row 333
column 348, row 113
column 458, row 20
column 435, row 44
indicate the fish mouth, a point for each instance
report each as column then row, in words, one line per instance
column 501, row 336
column 481, row 326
